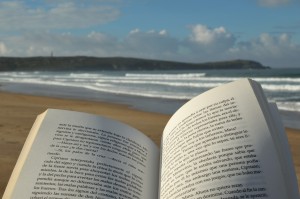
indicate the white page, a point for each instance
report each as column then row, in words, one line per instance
column 77, row 155
column 219, row 145
column 284, row 151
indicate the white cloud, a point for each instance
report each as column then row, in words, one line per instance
column 202, row 45
column 208, row 44
column 272, row 3
column 277, row 51
column 163, row 32
column 3, row 49
column 151, row 44
column 209, row 40
column 18, row 15
column 205, row 35
column 134, row 31
column 33, row 28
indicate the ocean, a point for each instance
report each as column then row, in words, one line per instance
column 157, row 91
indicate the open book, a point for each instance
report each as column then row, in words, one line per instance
column 228, row 142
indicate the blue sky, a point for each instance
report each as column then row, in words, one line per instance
column 267, row 31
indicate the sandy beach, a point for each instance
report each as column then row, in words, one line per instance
column 18, row 113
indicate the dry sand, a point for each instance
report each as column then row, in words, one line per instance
column 18, row 113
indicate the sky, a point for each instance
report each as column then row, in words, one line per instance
column 267, row 31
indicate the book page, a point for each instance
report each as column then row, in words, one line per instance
column 22, row 157
column 219, row 145
column 284, row 153
column 78, row 155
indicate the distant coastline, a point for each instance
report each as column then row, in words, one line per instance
column 85, row 63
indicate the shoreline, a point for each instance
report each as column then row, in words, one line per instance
column 289, row 118
column 19, row 111
column 147, row 104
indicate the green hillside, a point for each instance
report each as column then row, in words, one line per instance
column 78, row 63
